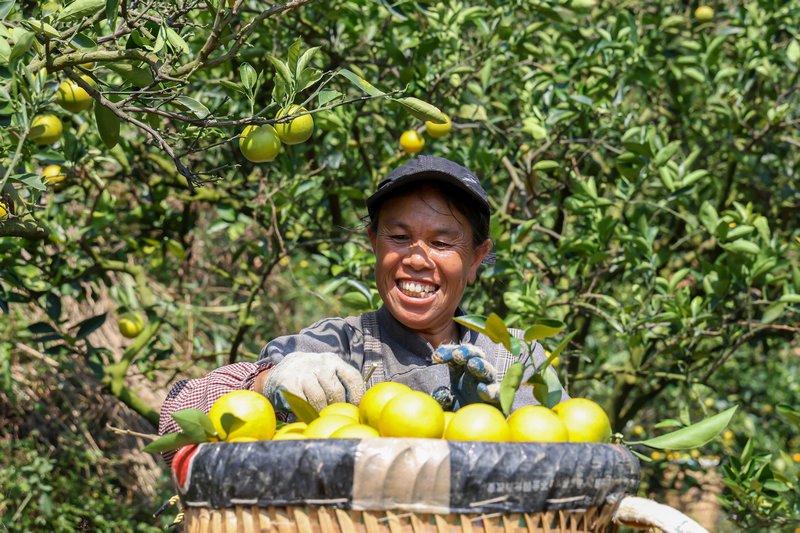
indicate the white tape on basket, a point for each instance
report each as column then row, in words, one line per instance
column 408, row 474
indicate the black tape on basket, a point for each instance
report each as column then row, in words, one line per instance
column 266, row 473
column 532, row 477
column 418, row 475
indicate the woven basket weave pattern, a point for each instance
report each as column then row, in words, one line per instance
column 252, row 519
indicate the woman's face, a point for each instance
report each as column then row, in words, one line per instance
column 425, row 258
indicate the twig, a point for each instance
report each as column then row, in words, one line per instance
column 120, row 431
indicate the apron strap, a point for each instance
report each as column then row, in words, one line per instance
column 373, row 355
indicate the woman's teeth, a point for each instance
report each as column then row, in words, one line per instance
column 416, row 289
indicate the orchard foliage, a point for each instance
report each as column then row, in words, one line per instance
column 642, row 163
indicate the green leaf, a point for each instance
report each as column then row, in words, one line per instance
column 304, row 60
column 709, row 217
column 543, row 327
column 135, row 75
column 422, row 110
column 282, row 70
column 80, row 9
column 195, row 424
column 789, row 413
column 42, row 28
column 169, row 442
column 666, row 153
column 509, row 386
column 176, row 41
column 5, row 8
column 108, row 125
column 112, row 8
column 560, row 348
column 497, row 330
column 327, row 95
column 23, row 40
column 86, row 327
column 473, row 322
column 546, row 164
column 248, row 75
column 197, row 109
column 361, row 83
column 742, row 246
column 546, row 387
column 692, row 436
column 303, row 410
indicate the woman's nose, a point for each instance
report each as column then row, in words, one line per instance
column 418, row 256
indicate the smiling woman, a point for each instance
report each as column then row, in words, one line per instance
column 429, row 226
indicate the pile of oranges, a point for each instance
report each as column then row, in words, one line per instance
column 392, row 409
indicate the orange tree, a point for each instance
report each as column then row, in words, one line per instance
column 642, row 164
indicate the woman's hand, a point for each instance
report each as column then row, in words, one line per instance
column 477, row 380
column 319, row 378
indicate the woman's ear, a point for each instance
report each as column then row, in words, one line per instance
column 480, row 254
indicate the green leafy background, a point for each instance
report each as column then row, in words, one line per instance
column 642, row 165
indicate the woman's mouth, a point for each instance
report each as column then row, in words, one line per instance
column 417, row 289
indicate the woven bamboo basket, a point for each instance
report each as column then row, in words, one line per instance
column 405, row 485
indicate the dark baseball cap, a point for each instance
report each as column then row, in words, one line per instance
column 430, row 168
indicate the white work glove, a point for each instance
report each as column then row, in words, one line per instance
column 319, row 378
column 475, row 380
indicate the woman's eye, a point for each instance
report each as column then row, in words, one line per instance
column 399, row 238
column 440, row 244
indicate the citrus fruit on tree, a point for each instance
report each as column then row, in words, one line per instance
column 46, row 129
column 324, row 426
column 256, row 417
column 52, row 174
column 412, row 415
column 3, row 212
column 341, row 408
column 72, row 96
column 704, row 13
column 411, row 142
column 355, row 431
column 585, row 420
column 374, row 400
column 259, row 144
column 131, row 325
column 536, row 423
column 297, row 130
column 438, row 130
column 478, row 421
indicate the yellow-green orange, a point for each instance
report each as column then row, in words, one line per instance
column 324, row 426
column 72, row 96
column 297, row 130
column 355, row 431
column 341, row 408
column 46, row 129
column 438, row 130
column 478, row 421
column 536, row 424
column 3, row 212
column 294, row 427
column 376, row 398
column 255, row 413
column 130, row 325
column 704, row 13
column 412, row 415
column 411, row 142
column 52, row 174
column 259, row 144
column 585, row 420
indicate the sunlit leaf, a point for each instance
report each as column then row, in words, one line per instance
column 692, row 436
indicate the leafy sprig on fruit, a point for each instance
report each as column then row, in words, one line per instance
column 547, row 387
